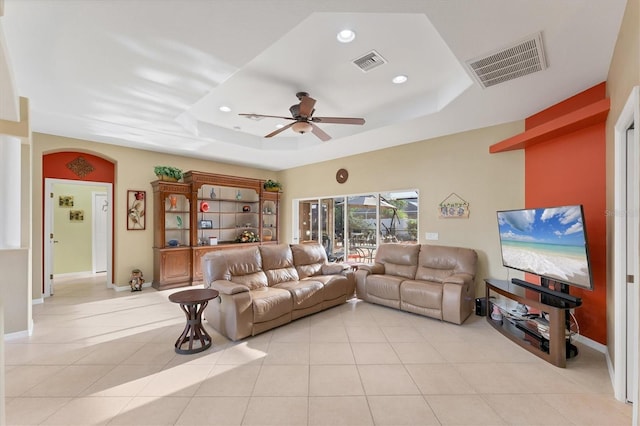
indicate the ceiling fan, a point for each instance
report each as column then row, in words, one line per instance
column 303, row 120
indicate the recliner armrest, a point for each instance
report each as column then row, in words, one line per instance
column 376, row 268
column 228, row 287
column 460, row 279
column 332, row 269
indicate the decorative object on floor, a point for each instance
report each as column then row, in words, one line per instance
column 136, row 209
column 136, row 280
column 65, row 201
column 247, row 237
column 193, row 303
column 80, row 166
column 453, row 207
column 272, row 186
column 168, row 173
column 76, row 215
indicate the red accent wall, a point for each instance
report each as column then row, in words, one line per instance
column 54, row 166
column 570, row 169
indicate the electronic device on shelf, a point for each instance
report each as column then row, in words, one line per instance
column 549, row 242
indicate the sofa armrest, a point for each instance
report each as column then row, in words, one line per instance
column 228, row 287
column 376, row 268
column 460, row 279
column 332, row 269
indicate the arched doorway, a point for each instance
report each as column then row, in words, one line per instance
column 86, row 172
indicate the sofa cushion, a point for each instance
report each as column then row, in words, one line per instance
column 436, row 263
column 398, row 259
column 384, row 286
column 277, row 263
column 241, row 266
column 422, row 294
column 308, row 259
column 305, row 294
column 334, row 285
column 270, row 303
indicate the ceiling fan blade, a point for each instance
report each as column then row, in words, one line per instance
column 266, row 116
column 306, row 106
column 281, row 129
column 338, row 120
column 321, row 134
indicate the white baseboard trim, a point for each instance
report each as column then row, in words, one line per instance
column 592, row 344
column 79, row 274
column 38, row 301
column 16, row 335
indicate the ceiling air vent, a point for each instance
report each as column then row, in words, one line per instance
column 524, row 57
column 369, row 61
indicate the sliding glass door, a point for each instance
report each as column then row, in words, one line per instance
column 350, row 228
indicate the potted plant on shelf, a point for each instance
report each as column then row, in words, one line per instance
column 168, row 173
column 272, row 186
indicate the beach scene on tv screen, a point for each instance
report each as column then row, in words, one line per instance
column 549, row 242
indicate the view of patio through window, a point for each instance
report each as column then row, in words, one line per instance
column 350, row 227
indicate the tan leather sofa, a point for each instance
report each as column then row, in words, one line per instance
column 430, row 280
column 262, row 287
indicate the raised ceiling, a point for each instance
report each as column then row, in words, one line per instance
column 152, row 74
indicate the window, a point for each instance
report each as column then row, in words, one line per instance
column 350, row 227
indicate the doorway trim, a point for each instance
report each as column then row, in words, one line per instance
column 629, row 115
column 48, row 225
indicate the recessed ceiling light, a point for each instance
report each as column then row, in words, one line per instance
column 225, row 108
column 399, row 79
column 346, row 36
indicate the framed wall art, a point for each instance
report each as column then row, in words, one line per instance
column 65, row 201
column 136, row 210
column 76, row 215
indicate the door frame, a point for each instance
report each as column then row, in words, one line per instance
column 48, row 227
column 629, row 115
column 94, row 227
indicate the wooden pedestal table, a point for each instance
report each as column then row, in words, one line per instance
column 193, row 303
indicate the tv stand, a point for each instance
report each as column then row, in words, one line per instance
column 542, row 330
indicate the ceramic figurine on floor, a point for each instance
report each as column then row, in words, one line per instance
column 136, row 280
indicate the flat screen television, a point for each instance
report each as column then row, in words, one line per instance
column 550, row 242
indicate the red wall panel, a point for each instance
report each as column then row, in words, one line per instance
column 571, row 170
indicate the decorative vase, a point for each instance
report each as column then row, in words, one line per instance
column 212, row 194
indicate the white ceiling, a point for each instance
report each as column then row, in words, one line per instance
column 151, row 74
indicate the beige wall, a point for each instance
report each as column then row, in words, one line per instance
column 459, row 163
column 74, row 250
column 624, row 74
column 134, row 170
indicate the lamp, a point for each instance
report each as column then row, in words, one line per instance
column 301, row 127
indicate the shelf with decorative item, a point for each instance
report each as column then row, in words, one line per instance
column 272, row 186
column 168, row 173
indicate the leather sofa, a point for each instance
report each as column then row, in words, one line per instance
column 262, row 287
column 430, row 280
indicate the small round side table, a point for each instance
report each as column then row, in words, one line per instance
column 193, row 303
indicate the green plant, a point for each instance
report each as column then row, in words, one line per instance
column 271, row 184
column 172, row 172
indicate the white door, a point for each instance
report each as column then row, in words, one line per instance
column 99, row 240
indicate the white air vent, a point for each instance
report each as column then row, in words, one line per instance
column 369, row 61
column 524, row 57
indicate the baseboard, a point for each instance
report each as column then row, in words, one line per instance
column 592, row 344
column 75, row 274
column 16, row 335
column 38, row 301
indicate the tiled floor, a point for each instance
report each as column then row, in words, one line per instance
column 100, row 357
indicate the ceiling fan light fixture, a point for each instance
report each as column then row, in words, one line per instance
column 346, row 36
column 301, row 127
